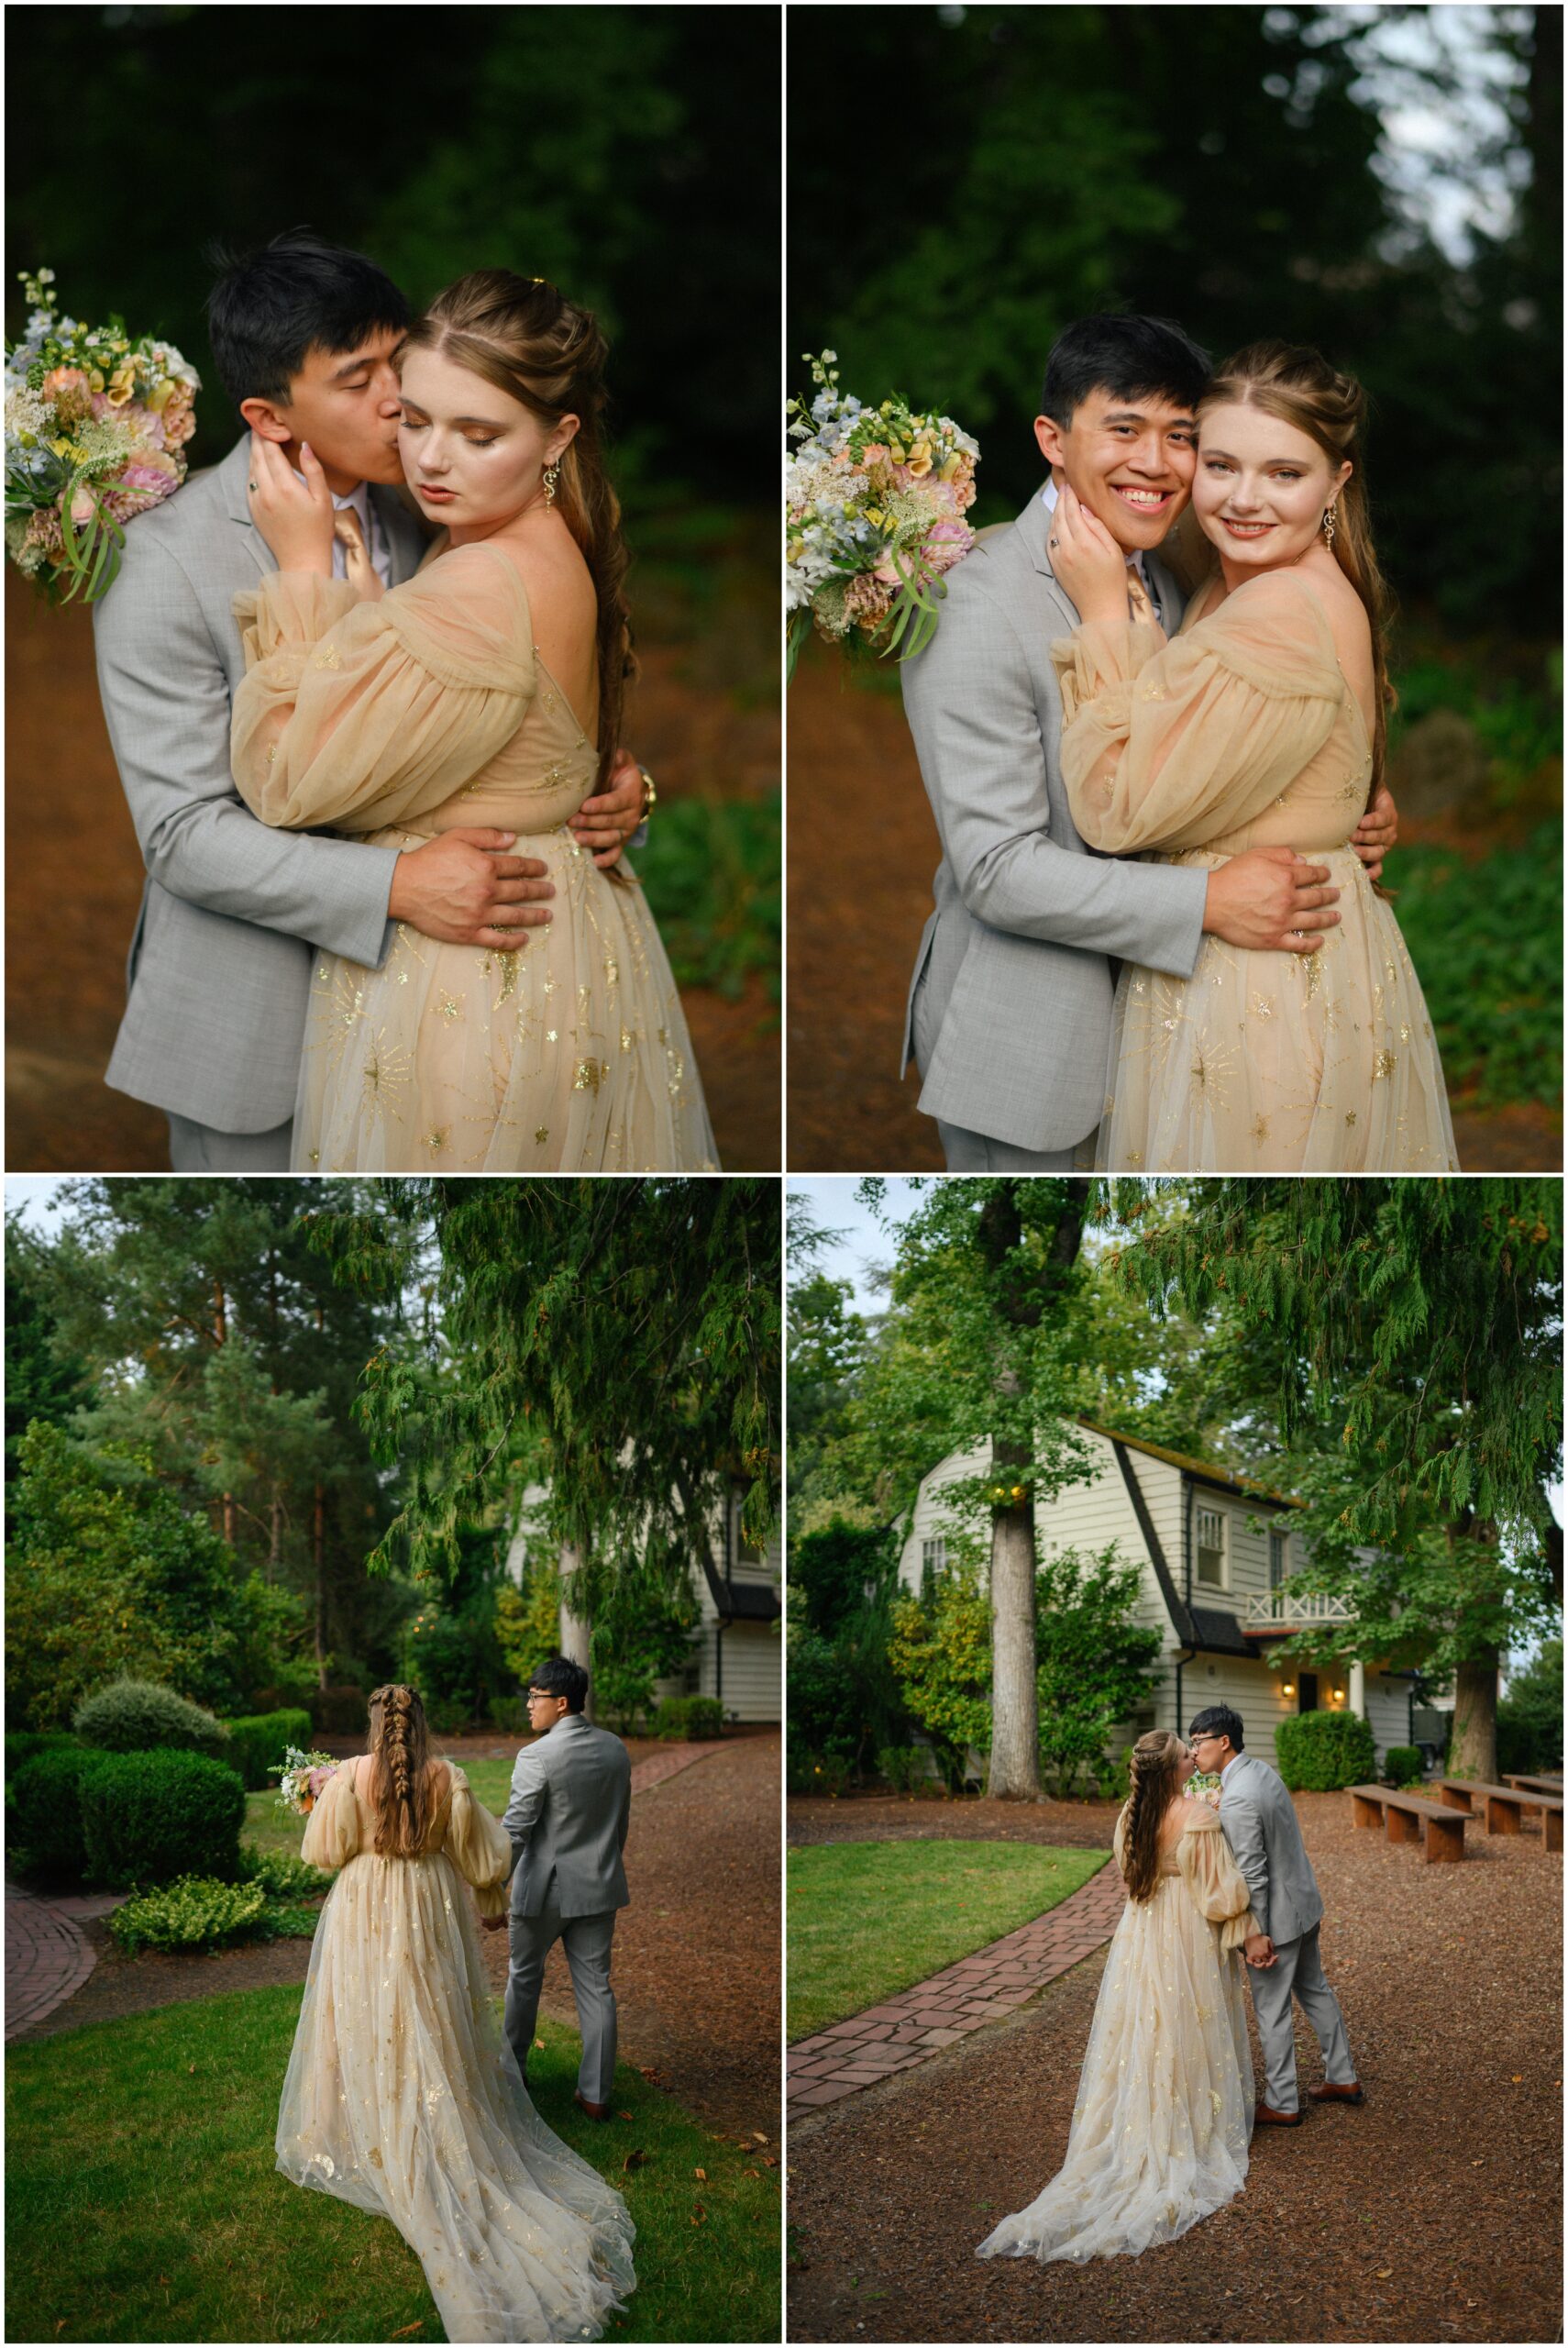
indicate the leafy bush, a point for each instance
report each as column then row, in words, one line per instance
column 1321, row 1752
column 24, row 1743
column 508, row 1716
column 1401, row 1766
column 340, row 1711
column 196, row 1911
column 827, row 1773
column 281, row 1875
column 43, row 1814
column 711, row 873
column 140, row 1716
column 689, row 1716
column 256, row 1743
column 642, row 1633
column 1094, row 1662
column 840, row 1603
column 148, row 1818
column 1530, row 1717
column 1486, row 938
column 903, row 1766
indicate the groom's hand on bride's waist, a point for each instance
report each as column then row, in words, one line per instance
column 466, row 889
column 1271, row 899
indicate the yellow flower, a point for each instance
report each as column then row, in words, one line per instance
column 66, row 448
column 96, row 378
column 122, row 384
column 919, row 460
column 950, row 467
column 896, row 450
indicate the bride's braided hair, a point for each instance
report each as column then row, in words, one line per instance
column 523, row 334
column 399, row 1754
column 1156, row 1772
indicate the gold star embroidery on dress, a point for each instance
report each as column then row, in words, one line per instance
column 625, row 1039
column 1349, row 1116
column 550, row 1034
column 1260, row 1129
column 452, row 1007
column 328, row 660
column 541, row 1135
column 385, row 1075
column 1262, row 1005
column 436, row 1139
column 611, row 970
column 1385, row 1064
column 271, row 752
column 589, row 1076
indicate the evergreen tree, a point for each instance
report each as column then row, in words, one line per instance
column 45, row 1379
column 1410, row 1346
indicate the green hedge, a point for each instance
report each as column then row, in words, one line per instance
column 148, row 1818
column 43, row 1814
column 1321, row 1752
column 1401, row 1766
column 256, row 1743
column 140, row 1716
column 689, row 1716
column 24, row 1743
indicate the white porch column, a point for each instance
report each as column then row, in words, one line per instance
column 1358, row 1689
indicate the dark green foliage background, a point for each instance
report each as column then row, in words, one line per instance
column 1321, row 1752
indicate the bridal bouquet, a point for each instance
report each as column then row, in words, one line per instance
column 95, row 426
column 874, row 503
column 303, row 1777
column 1203, row 1786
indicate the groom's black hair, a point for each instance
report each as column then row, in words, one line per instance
column 560, row 1676
column 1132, row 358
column 269, row 310
column 1219, row 1721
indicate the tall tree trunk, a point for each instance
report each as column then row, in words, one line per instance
column 1015, row 1702
column 1474, row 1752
column 318, row 1559
column 575, row 1627
column 220, row 1337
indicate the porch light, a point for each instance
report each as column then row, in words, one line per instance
column 1339, row 1695
column 1288, row 1688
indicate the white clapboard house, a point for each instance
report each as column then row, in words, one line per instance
column 1214, row 1554
column 737, row 1647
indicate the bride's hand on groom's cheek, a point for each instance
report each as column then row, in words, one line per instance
column 1087, row 561
column 292, row 511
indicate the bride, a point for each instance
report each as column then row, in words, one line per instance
column 1263, row 725
column 486, row 689
column 403, row 2095
column 1165, row 2100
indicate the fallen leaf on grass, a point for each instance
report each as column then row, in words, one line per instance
column 406, row 2330
column 1383, row 2273
column 623, row 2115
column 700, row 2174
column 767, row 2160
column 699, row 2215
column 751, row 2172
column 758, row 2137
column 539, row 2044
column 634, row 2160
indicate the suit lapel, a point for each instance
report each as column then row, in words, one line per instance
column 235, row 472
column 1032, row 529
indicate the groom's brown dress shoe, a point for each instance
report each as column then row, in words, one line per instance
column 594, row 2111
column 1327, row 2093
column 1266, row 2117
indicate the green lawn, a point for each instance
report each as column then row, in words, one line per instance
column 142, row 2202
column 867, row 1920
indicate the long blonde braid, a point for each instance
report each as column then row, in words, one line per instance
column 399, row 1754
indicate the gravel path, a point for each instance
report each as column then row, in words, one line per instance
column 1433, row 2213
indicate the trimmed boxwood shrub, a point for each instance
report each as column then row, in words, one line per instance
column 43, row 1814
column 1401, row 1766
column 689, row 1716
column 24, row 1743
column 148, row 1818
column 255, row 1744
column 138, row 1716
column 1321, row 1752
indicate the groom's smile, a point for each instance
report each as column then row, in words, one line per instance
column 1130, row 462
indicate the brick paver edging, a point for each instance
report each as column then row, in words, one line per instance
column 660, row 1765
column 978, row 1989
column 46, row 1959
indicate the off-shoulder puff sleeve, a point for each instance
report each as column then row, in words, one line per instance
column 478, row 1848
column 1169, row 746
column 1215, row 1880
column 332, row 1831
column 368, row 714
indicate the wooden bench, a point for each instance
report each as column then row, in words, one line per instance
column 1404, row 1816
column 1505, row 1806
column 1546, row 1784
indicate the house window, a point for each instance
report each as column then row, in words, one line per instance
column 932, row 1559
column 1210, row 1548
column 741, row 1550
column 1278, row 1558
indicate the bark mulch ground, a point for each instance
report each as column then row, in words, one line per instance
column 75, row 875
column 1431, row 2213
column 855, row 923
column 697, row 1954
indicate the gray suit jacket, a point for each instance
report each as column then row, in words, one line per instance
column 571, row 1807
column 219, row 970
column 1264, row 1832
column 1016, row 955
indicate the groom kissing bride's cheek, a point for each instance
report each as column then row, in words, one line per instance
column 341, row 705
column 1157, row 939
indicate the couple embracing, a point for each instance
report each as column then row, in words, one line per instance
column 404, row 2095
column 338, row 713
column 1165, row 2106
column 1188, row 788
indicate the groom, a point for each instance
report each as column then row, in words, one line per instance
column 570, row 1806
column 1009, row 1016
column 1260, row 1823
column 219, row 972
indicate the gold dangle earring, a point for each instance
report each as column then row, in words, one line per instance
column 552, row 475
column 1328, row 527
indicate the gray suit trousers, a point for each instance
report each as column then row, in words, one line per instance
column 1298, row 1972
column 203, row 1149
column 587, row 1940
